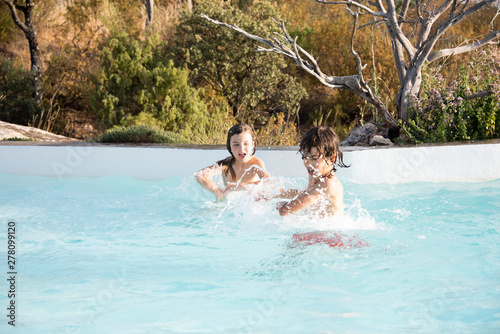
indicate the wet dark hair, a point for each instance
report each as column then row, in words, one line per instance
column 235, row 130
column 326, row 142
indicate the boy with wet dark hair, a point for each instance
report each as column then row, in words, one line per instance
column 324, row 193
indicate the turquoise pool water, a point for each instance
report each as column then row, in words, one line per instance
column 120, row 255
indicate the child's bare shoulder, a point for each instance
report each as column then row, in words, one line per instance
column 335, row 187
column 334, row 181
column 256, row 161
column 328, row 186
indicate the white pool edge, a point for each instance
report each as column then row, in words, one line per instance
column 441, row 163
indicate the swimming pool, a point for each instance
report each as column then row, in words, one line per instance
column 116, row 254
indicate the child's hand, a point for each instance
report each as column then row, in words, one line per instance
column 281, row 204
column 220, row 195
column 230, row 187
column 259, row 198
column 262, row 197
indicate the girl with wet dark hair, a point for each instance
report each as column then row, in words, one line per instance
column 240, row 168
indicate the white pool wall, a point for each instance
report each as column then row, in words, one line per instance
column 444, row 163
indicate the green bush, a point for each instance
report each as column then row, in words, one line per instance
column 138, row 82
column 449, row 113
column 17, row 104
column 141, row 134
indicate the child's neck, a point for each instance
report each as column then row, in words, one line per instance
column 238, row 164
column 322, row 178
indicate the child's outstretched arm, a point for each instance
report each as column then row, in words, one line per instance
column 283, row 193
column 204, row 177
column 258, row 168
column 304, row 199
column 288, row 193
column 261, row 171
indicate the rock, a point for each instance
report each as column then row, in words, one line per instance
column 9, row 130
column 361, row 134
column 378, row 140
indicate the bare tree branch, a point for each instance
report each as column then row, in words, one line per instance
column 428, row 23
column 355, row 4
column 371, row 23
column 29, row 31
column 444, row 7
column 404, row 10
column 478, row 95
column 276, row 46
column 452, row 20
column 354, row 53
column 463, row 49
column 395, row 30
column 15, row 16
column 493, row 19
column 306, row 61
column 463, row 14
column 380, row 6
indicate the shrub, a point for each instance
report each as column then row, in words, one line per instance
column 451, row 113
column 278, row 132
column 19, row 139
column 137, row 81
column 17, row 104
column 218, row 120
column 141, row 134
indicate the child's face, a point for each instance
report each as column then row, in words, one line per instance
column 242, row 146
column 315, row 163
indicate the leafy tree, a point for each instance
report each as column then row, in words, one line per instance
column 252, row 84
column 138, row 82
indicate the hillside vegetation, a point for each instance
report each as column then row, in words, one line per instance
column 105, row 67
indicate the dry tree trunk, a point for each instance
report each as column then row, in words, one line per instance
column 30, row 33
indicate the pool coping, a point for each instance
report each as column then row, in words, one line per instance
column 219, row 146
column 474, row 161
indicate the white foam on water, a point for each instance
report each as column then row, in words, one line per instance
column 246, row 210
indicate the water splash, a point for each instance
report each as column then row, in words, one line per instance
column 247, row 211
